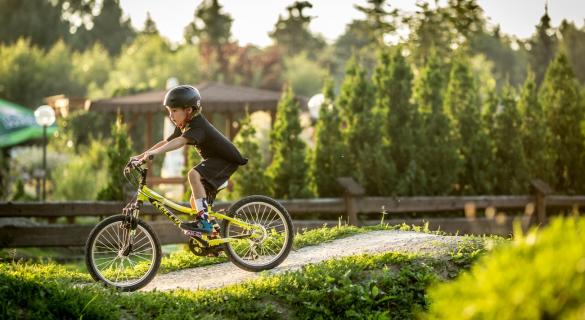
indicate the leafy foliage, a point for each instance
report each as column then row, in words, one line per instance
column 535, row 132
column 439, row 156
column 389, row 285
column 363, row 133
column 512, row 173
column 292, row 32
column 463, row 106
column 305, row 76
column 518, row 281
column 82, row 176
column 288, row 171
column 325, row 161
column 119, row 151
column 542, row 47
column 251, row 178
column 561, row 100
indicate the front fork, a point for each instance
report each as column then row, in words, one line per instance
column 131, row 213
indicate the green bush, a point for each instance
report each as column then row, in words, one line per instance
column 540, row 275
column 82, row 176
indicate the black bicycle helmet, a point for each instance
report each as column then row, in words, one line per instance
column 183, row 96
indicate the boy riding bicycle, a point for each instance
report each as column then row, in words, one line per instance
column 220, row 157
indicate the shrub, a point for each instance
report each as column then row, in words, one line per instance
column 537, row 276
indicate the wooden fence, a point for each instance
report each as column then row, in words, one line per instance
column 353, row 208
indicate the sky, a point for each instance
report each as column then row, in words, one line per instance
column 253, row 19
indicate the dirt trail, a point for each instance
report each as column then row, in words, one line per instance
column 224, row 274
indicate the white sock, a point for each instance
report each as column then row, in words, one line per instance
column 201, row 205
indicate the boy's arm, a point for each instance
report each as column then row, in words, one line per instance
column 157, row 145
column 169, row 146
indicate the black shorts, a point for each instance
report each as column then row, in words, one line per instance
column 216, row 171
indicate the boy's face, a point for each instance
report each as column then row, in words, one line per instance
column 177, row 115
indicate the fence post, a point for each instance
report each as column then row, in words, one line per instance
column 352, row 192
column 541, row 190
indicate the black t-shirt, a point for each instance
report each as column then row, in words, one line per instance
column 210, row 143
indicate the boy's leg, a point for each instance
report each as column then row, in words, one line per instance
column 198, row 201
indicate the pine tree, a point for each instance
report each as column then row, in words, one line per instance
column 325, row 162
column 393, row 90
column 149, row 25
column 511, row 175
column 463, row 107
column 377, row 18
column 439, row 154
column 288, row 171
column 543, row 46
column 251, row 178
column 560, row 97
column 363, row 130
column 535, row 134
column 119, row 151
column 293, row 34
column 110, row 28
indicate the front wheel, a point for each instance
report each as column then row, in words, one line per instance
column 266, row 246
column 111, row 258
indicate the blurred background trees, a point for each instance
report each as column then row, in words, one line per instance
column 436, row 102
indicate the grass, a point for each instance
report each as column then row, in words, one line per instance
column 390, row 285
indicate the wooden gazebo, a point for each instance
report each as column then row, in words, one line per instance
column 229, row 101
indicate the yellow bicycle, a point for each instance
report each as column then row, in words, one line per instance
column 123, row 251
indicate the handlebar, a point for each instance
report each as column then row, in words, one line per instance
column 138, row 163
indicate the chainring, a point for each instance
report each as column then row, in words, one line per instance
column 198, row 250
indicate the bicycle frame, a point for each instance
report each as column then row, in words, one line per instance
column 160, row 203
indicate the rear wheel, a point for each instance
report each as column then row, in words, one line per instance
column 264, row 247
column 110, row 258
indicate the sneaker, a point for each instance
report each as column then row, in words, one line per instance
column 198, row 225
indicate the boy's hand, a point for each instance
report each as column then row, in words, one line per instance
column 147, row 156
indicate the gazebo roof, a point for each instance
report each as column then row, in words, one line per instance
column 216, row 97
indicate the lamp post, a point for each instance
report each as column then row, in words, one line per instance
column 45, row 116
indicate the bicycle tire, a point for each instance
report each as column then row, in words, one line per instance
column 238, row 210
column 90, row 250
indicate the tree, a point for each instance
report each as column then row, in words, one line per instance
column 210, row 25
column 364, row 37
column 439, row 156
column 543, row 46
column 288, row 170
column 325, row 161
column 292, row 32
column 511, row 175
column 92, row 68
column 393, row 90
column 443, row 28
column 573, row 42
column 535, row 133
column 367, row 148
column 109, row 27
column 149, row 25
column 463, row 107
column 211, row 30
column 119, row 151
column 38, row 21
column 561, row 100
column 377, row 18
column 147, row 64
column 431, row 31
column 304, row 75
column 28, row 73
column 251, row 178
column 509, row 63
